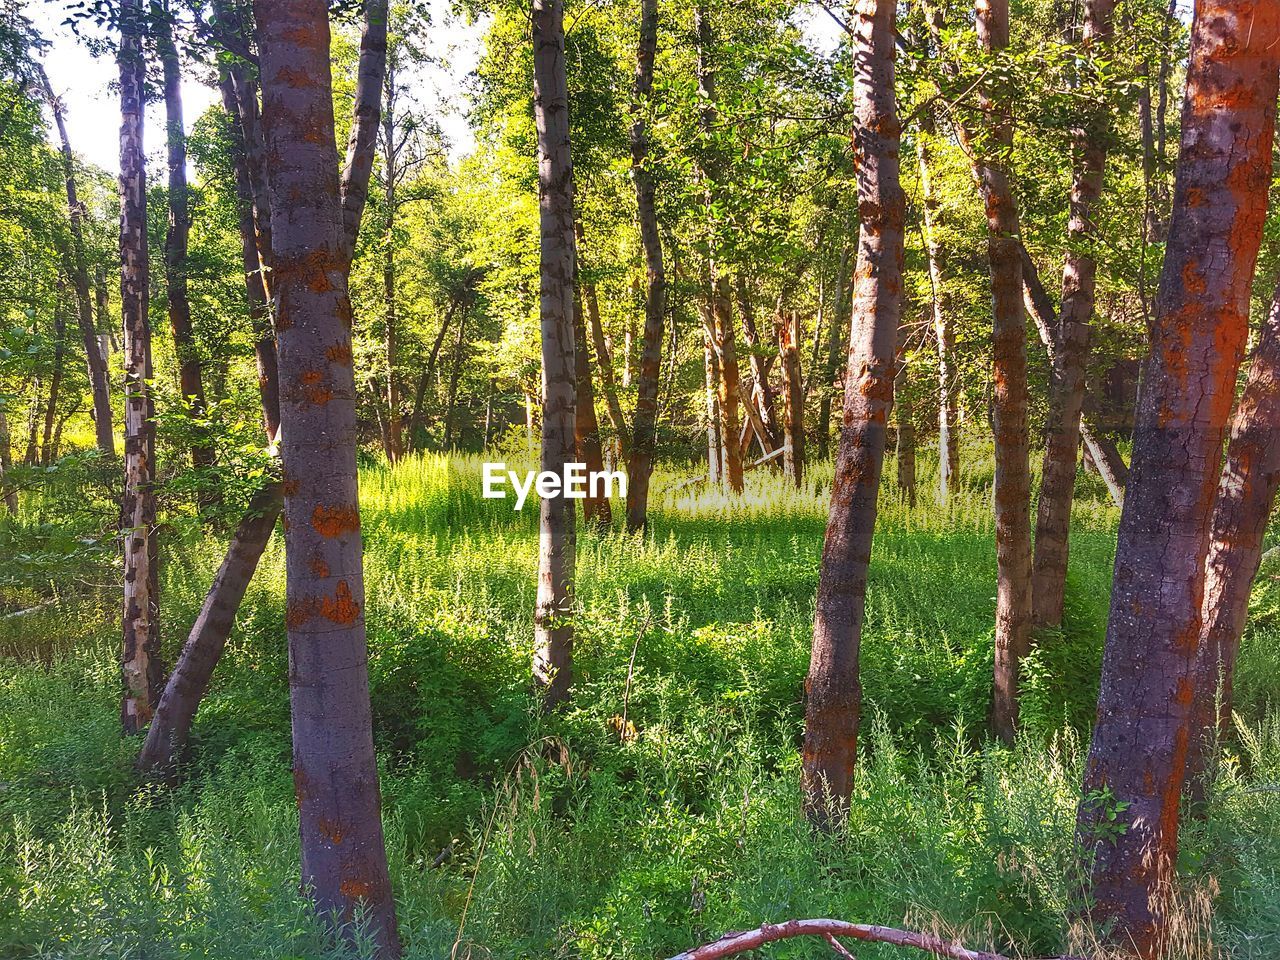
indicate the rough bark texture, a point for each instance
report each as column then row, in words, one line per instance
column 1067, row 386
column 370, row 78
column 170, row 729
column 833, row 692
column 553, row 623
column 787, row 327
column 586, row 428
column 143, row 674
column 1246, row 494
column 1142, row 735
column 1009, row 389
column 643, row 436
column 344, row 863
column 79, row 271
column 190, row 375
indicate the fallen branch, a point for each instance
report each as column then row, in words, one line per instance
column 741, row 941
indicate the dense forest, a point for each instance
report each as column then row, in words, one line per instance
column 706, row 478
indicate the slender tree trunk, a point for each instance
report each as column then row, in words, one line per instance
column 371, row 73
column 787, row 326
column 834, row 694
column 586, row 428
column 761, row 390
column 190, row 375
column 553, row 616
column 6, row 465
column 1066, row 394
column 1246, row 494
column 1009, row 397
column 728, row 384
column 904, row 422
column 140, row 662
column 344, row 864
column 47, row 454
column 455, row 373
column 604, row 363
column 711, row 370
column 1146, row 703
column 394, row 448
column 34, row 417
column 836, row 338
column 644, row 433
column 79, row 271
column 419, row 396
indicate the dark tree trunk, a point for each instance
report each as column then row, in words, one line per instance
column 904, row 422
column 143, row 674
column 47, row 453
column 34, row 417
column 644, row 432
column 190, row 375
column 833, row 691
column 455, row 373
column 586, row 428
column 553, row 616
column 1066, row 394
column 1142, row 736
column 6, row 464
column 419, row 397
column 604, row 363
column 787, row 327
column 344, row 863
column 79, row 271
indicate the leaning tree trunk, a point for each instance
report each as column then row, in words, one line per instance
column 55, row 378
column 190, row 376
column 553, row 616
column 1066, row 394
column 586, row 428
column 604, row 362
column 644, row 424
column 833, row 691
column 787, row 325
column 371, row 71
column 761, row 391
column 1246, row 494
column 79, row 270
column 143, row 674
column 1142, row 736
column 344, row 863
column 1009, row 393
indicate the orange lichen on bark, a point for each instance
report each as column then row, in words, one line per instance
column 335, row 521
column 342, row 607
column 339, row 353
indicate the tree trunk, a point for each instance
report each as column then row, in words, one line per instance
column 394, row 447
column 836, row 338
column 419, row 396
column 362, row 143
column 904, row 422
column 644, row 432
column 1066, row 393
column 34, row 417
column 1009, row 396
column 79, row 271
column 761, row 390
column 55, row 378
column 586, row 428
column 1246, row 494
column 6, row 464
column 553, row 616
column 1107, row 461
column 190, row 376
column 1146, row 702
column 728, row 384
column 711, row 371
column 834, row 695
column 455, row 372
column 344, row 864
column 168, row 734
column 140, row 662
column 787, row 326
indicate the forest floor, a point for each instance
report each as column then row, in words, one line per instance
column 591, row 835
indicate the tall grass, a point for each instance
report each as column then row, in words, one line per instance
column 582, row 835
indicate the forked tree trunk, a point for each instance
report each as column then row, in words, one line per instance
column 1009, row 393
column 904, row 421
column 787, row 328
column 344, row 863
column 644, row 432
column 190, row 375
column 553, row 616
column 143, row 674
column 1246, row 494
column 55, row 377
column 1142, row 736
column 1067, row 388
column 79, row 270
column 586, row 428
column 834, row 695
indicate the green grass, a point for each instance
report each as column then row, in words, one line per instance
column 569, row 842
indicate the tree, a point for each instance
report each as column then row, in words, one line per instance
column 1137, row 761
column 143, row 675
column 834, row 694
column 344, row 863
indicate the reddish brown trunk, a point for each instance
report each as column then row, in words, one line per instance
column 1128, row 819
column 344, row 864
column 1066, row 394
column 553, row 616
column 143, row 675
column 787, row 328
column 833, row 692
column 728, row 385
column 586, row 429
column 761, row 390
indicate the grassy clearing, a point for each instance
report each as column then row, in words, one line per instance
column 568, row 840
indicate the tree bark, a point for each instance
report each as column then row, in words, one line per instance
column 344, row 864
column 787, row 328
column 455, row 373
column 711, row 373
column 834, row 695
column 6, row 464
column 362, row 143
column 79, row 270
column 604, row 363
column 553, row 616
column 836, row 337
column 904, row 422
column 47, row 453
column 419, row 396
column 1141, row 739
column 190, row 375
column 394, row 447
column 1246, row 494
column 140, row 661
column 586, row 428
column 761, row 389
column 1067, row 387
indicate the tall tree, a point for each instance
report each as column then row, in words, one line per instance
column 1067, row 386
column 79, row 271
column 834, row 694
column 371, row 69
column 644, row 425
column 143, row 675
column 47, row 452
column 392, row 147
column 586, row 428
column 1128, row 818
column 9, row 493
column 344, row 862
column 553, row 616
column 787, row 328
